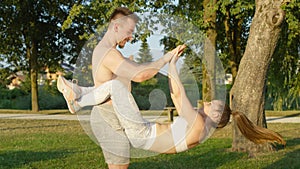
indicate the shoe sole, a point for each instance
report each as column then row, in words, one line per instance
column 67, row 92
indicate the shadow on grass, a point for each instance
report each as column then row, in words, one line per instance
column 293, row 115
column 211, row 159
column 291, row 160
column 16, row 159
column 283, row 117
column 34, row 127
column 210, row 154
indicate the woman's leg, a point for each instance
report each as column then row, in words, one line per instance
column 71, row 91
column 137, row 129
column 142, row 134
column 62, row 83
column 95, row 96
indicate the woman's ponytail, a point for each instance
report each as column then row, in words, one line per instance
column 254, row 133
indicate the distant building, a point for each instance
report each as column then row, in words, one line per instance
column 228, row 78
column 48, row 77
column 16, row 80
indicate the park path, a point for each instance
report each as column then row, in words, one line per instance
column 85, row 117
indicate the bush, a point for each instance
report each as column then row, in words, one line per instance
column 11, row 94
column 49, row 98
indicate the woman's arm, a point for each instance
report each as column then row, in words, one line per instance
column 178, row 94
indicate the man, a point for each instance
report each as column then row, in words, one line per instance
column 107, row 64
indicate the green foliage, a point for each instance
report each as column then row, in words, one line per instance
column 4, row 76
column 284, row 77
column 49, row 98
column 283, row 80
column 75, row 10
column 144, row 53
column 233, row 24
column 13, row 98
column 32, row 36
column 25, row 23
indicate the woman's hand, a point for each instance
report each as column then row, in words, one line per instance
column 176, row 53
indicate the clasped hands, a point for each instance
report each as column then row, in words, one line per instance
column 176, row 53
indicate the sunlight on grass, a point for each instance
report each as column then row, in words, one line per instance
column 63, row 144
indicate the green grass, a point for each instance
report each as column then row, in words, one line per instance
column 15, row 111
column 291, row 113
column 51, row 144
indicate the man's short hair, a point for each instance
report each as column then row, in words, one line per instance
column 121, row 12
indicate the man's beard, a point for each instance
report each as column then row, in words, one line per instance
column 122, row 43
column 121, row 46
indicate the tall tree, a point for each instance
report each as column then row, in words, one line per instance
column 32, row 38
column 144, row 53
column 248, row 91
column 209, row 77
column 233, row 22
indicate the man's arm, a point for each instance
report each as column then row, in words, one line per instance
column 137, row 72
column 130, row 70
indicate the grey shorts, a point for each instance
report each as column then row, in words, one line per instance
column 110, row 135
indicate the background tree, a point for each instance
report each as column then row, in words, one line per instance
column 283, row 90
column 191, row 13
column 209, row 76
column 144, row 54
column 234, row 18
column 32, row 38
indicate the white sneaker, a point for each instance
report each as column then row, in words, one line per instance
column 70, row 95
column 73, row 106
column 63, row 83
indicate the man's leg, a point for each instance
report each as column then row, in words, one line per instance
column 111, row 136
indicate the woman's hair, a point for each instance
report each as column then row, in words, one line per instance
column 254, row 133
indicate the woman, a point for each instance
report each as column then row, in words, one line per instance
column 189, row 129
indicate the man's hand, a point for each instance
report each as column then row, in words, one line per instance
column 177, row 52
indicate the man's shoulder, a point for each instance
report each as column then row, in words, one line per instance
column 114, row 51
column 114, row 54
column 112, row 57
column 107, row 53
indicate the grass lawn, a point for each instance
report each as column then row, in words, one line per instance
column 63, row 144
column 290, row 113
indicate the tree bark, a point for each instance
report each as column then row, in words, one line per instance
column 248, row 92
column 33, row 78
column 209, row 78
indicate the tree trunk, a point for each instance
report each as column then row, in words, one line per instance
column 248, row 92
column 209, row 78
column 33, row 78
column 233, row 35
